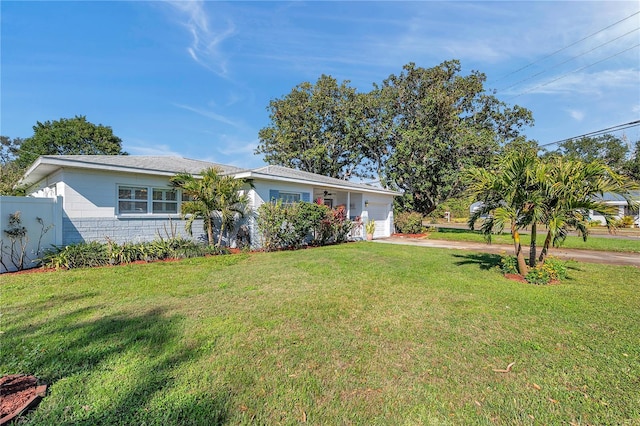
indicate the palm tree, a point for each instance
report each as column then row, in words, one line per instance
column 232, row 202
column 211, row 196
column 571, row 190
column 509, row 195
column 524, row 191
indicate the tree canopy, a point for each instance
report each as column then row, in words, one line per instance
column 10, row 173
column 415, row 132
column 315, row 128
column 68, row 136
column 608, row 149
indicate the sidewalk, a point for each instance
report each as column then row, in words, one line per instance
column 591, row 256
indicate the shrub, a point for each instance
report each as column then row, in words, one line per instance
column 409, row 223
column 80, row 255
column 625, row 222
column 543, row 273
column 294, row 225
column 84, row 255
column 508, row 265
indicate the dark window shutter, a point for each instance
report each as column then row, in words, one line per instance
column 274, row 194
column 306, row 197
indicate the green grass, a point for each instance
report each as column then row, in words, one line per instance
column 353, row 334
column 593, row 242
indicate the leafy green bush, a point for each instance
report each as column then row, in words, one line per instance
column 625, row 222
column 551, row 270
column 409, row 223
column 84, row 255
column 508, row 265
column 543, row 273
column 294, row 225
column 80, row 255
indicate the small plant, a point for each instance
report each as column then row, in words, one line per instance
column 552, row 269
column 18, row 235
column 625, row 222
column 370, row 227
column 508, row 265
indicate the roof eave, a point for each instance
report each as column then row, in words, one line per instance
column 251, row 174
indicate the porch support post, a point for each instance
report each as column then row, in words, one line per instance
column 348, row 204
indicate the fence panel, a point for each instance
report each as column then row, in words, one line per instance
column 28, row 226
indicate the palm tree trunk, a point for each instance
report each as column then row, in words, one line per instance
column 545, row 248
column 210, row 231
column 221, row 233
column 522, row 265
column 532, row 246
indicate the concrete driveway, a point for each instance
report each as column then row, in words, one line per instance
column 591, row 256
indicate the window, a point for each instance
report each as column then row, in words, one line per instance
column 289, row 197
column 132, row 199
column 146, row 200
column 165, row 201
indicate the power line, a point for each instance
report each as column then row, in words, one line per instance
column 568, row 60
column 565, row 48
column 574, row 71
column 598, row 132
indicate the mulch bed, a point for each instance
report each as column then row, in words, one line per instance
column 18, row 393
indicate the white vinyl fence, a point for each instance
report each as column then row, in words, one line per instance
column 28, row 226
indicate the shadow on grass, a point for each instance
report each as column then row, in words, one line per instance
column 138, row 355
column 485, row 261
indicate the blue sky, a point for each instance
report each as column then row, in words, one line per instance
column 194, row 78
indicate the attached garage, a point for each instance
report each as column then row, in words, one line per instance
column 382, row 214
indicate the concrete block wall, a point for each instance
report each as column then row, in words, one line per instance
column 120, row 230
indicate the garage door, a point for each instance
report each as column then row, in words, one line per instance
column 380, row 213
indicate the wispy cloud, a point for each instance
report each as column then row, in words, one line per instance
column 206, row 40
column 140, row 147
column 576, row 114
column 586, row 83
column 212, row 115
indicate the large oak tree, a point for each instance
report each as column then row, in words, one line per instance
column 415, row 132
column 68, row 136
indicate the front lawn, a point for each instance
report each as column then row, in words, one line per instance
column 352, row 334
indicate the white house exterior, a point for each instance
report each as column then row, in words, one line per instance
column 623, row 207
column 129, row 198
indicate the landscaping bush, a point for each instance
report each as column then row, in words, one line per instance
column 409, row 223
column 85, row 255
column 552, row 269
column 80, row 255
column 625, row 222
column 294, row 225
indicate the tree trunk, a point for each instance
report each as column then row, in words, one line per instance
column 545, row 248
column 209, row 225
column 221, row 233
column 532, row 246
column 522, row 265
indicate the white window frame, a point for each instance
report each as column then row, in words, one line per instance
column 289, row 197
column 165, row 201
column 149, row 202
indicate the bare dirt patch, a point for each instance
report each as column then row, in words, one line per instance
column 18, row 393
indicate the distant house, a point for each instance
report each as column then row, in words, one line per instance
column 129, row 198
column 623, row 207
column 609, row 198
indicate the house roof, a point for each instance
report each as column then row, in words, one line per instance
column 279, row 173
column 143, row 164
column 612, row 197
column 169, row 166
